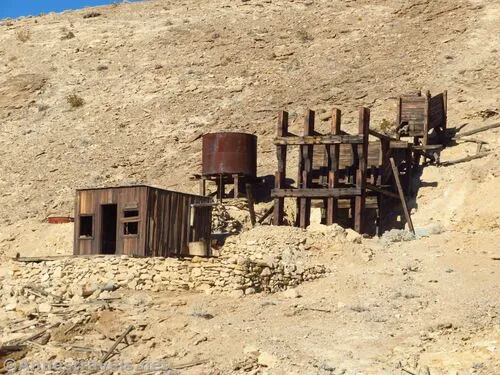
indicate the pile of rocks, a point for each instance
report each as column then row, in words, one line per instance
column 265, row 259
column 223, row 222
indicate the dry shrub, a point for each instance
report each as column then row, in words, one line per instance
column 68, row 35
column 304, row 36
column 387, row 126
column 74, row 100
column 23, row 35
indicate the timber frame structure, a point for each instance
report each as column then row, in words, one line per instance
column 347, row 174
column 334, row 190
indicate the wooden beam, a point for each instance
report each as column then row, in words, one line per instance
column 360, row 200
column 251, row 203
column 305, row 169
column 266, row 215
column 478, row 130
column 318, row 140
column 236, row 186
column 280, row 176
column 333, row 167
column 382, row 191
column 395, row 173
column 315, row 193
column 203, row 190
column 463, row 160
column 427, row 104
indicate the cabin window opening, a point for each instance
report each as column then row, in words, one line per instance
column 86, row 226
column 131, row 213
column 131, row 228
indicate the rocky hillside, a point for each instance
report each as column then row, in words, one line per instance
column 121, row 93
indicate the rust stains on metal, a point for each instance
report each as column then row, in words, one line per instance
column 59, row 219
column 229, row 154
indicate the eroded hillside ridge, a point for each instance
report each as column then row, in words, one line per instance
column 152, row 77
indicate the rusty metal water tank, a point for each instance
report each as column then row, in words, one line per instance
column 229, row 153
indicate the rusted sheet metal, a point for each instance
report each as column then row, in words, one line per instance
column 59, row 219
column 229, row 153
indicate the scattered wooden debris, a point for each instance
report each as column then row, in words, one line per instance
column 108, row 354
column 465, row 159
column 478, row 130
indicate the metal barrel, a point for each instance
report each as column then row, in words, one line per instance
column 229, row 153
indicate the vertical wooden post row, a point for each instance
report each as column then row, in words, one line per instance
column 333, row 167
column 279, row 178
column 360, row 200
column 304, row 180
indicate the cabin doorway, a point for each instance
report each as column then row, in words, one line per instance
column 109, row 216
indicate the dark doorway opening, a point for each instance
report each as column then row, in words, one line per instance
column 109, row 215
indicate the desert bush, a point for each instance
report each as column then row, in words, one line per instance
column 68, row 35
column 304, row 36
column 387, row 126
column 91, row 14
column 23, row 35
column 74, row 100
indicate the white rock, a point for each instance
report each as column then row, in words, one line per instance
column 266, row 359
column 352, row 236
column 10, row 307
column 57, row 272
column 251, row 349
column 292, row 293
column 44, row 308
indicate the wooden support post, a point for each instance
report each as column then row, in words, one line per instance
column 427, row 104
column 360, row 200
column 251, row 203
column 279, row 178
column 398, row 117
column 445, row 109
column 383, row 206
column 236, row 187
column 203, row 189
column 409, row 171
column 221, row 188
column 333, row 167
column 395, row 173
column 305, row 169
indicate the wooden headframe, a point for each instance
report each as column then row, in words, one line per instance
column 305, row 191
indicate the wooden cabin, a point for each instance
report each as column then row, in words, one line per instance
column 140, row 221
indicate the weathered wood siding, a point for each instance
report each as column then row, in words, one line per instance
column 173, row 223
column 89, row 202
column 437, row 113
column 166, row 221
column 412, row 111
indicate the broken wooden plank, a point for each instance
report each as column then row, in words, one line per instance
column 266, row 215
column 395, row 173
column 478, row 130
column 108, row 354
column 463, row 160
